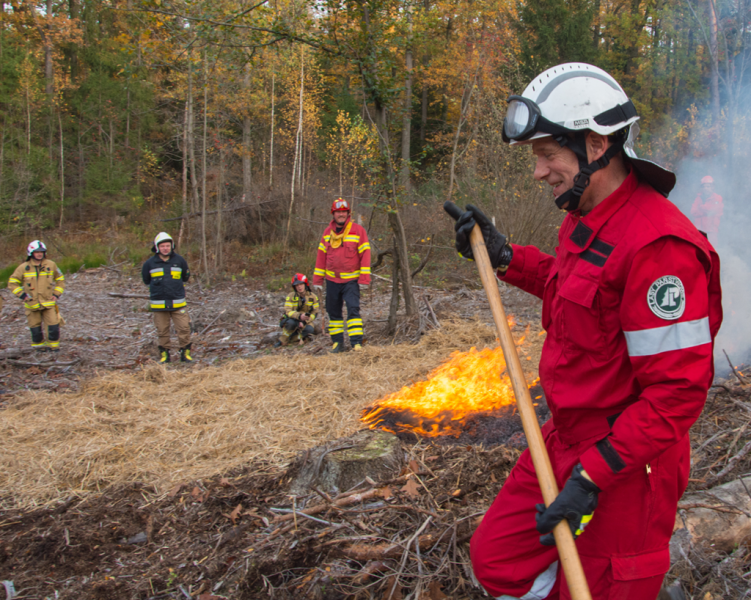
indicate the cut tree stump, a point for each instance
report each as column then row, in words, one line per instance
column 717, row 517
column 344, row 463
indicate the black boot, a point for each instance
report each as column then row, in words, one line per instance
column 163, row 355
column 185, row 354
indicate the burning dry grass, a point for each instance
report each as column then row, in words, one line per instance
column 163, row 426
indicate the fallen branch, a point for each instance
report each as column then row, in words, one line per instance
column 384, row 551
column 729, row 466
column 210, row 325
column 732, row 368
column 21, row 363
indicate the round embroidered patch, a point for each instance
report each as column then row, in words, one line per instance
column 667, row 298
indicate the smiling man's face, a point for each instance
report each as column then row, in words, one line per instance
column 555, row 166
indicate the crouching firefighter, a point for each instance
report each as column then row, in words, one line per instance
column 165, row 273
column 39, row 283
column 300, row 311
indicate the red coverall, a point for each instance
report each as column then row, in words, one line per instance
column 631, row 306
column 706, row 215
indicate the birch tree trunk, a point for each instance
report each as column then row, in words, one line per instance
column 203, row 165
column 298, row 141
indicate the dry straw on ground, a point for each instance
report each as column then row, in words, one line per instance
column 162, row 426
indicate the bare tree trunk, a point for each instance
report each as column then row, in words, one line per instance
column 127, row 121
column 394, row 304
column 298, row 141
column 714, row 58
column 185, row 176
column 219, row 207
column 49, row 74
column 424, row 112
column 468, row 90
column 191, row 141
column 62, row 168
column 203, row 165
column 407, row 114
column 247, row 174
column 271, row 143
column 402, row 256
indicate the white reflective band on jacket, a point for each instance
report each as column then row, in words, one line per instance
column 678, row 336
column 541, row 587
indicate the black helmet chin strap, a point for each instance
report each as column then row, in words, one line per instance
column 570, row 198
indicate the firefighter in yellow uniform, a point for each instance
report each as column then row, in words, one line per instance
column 39, row 283
column 300, row 311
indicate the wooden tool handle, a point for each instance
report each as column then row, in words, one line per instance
column 564, row 540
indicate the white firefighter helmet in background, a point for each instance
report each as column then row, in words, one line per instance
column 35, row 246
column 162, row 237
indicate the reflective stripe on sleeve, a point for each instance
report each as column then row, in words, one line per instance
column 322, row 248
column 677, row 336
column 14, row 280
column 58, row 290
column 320, row 272
column 365, row 270
column 363, row 247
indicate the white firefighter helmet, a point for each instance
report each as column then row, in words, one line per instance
column 567, row 102
column 35, row 246
column 568, row 98
column 162, row 237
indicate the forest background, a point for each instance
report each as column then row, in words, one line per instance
column 233, row 124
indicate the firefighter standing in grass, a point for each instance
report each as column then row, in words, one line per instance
column 39, row 283
column 631, row 307
column 165, row 273
column 344, row 261
column 707, row 209
column 300, row 311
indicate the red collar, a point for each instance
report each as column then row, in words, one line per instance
column 585, row 228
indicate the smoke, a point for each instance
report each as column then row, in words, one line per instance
column 722, row 153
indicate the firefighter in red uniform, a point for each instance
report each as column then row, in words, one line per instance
column 631, row 306
column 707, row 209
column 344, row 261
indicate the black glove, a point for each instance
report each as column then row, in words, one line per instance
column 499, row 251
column 576, row 503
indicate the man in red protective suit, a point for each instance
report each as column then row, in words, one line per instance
column 631, row 306
column 707, row 209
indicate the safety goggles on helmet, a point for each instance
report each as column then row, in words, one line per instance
column 524, row 120
column 340, row 204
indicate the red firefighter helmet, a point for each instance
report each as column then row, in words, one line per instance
column 707, row 179
column 298, row 279
column 339, row 204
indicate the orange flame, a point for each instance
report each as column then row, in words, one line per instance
column 470, row 383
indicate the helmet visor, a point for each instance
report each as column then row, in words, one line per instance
column 521, row 118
